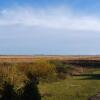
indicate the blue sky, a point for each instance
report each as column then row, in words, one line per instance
column 53, row 27
column 89, row 5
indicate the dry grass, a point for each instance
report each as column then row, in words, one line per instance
column 29, row 59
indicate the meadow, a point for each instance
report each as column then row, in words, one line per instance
column 72, row 88
column 49, row 77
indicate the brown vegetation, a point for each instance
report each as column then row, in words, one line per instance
column 20, row 75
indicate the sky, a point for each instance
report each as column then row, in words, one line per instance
column 49, row 27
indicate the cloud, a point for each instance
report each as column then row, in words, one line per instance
column 55, row 18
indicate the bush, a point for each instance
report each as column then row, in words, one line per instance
column 15, row 80
column 41, row 69
column 15, row 85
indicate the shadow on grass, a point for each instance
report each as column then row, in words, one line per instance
column 88, row 76
column 85, row 63
column 8, row 92
column 31, row 91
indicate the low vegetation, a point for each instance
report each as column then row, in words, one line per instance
column 18, row 80
column 48, row 80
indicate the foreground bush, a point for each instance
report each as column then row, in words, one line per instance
column 11, row 75
column 41, row 69
column 15, row 85
column 19, row 81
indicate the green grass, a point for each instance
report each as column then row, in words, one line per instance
column 73, row 88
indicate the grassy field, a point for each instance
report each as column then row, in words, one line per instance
column 49, row 77
column 73, row 88
column 29, row 59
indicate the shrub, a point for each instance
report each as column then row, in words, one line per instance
column 11, row 75
column 41, row 69
column 15, row 85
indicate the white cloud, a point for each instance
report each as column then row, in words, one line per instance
column 59, row 18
